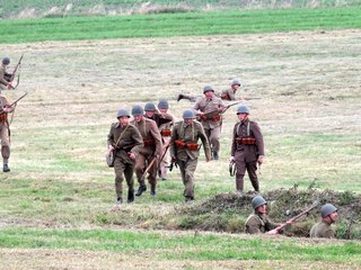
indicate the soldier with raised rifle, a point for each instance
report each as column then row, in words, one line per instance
column 184, row 149
column 125, row 140
column 323, row 228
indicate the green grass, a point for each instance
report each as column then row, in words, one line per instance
column 162, row 246
column 185, row 24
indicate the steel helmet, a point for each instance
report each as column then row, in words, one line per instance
column 149, row 107
column 207, row 88
column 6, row 61
column 188, row 114
column 327, row 209
column 123, row 112
column 242, row 109
column 137, row 110
column 258, row 201
column 236, row 82
column 163, row 104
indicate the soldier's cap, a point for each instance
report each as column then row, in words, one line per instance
column 123, row 112
column 149, row 107
column 236, row 82
column 6, row 60
column 242, row 109
column 258, row 201
column 188, row 114
column 327, row 209
column 207, row 88
column 163, row 104
column 137, row 110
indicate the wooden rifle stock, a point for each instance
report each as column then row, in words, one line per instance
column 16, row 68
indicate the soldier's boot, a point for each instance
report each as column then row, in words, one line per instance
column 215, row 155
column 189, row 199
column 141, row 189
column 6, row 168
column 152, row 190
column 130, row 196
column 117, row 204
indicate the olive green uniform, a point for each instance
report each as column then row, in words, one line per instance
column 152, row 148
column 4, row 130
column 256, row 223
column 247, row 146
column 125, row 140
column 322, row 230
column 186, row 158
column 212, row 120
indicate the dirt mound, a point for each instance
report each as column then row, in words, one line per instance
column 228, row 211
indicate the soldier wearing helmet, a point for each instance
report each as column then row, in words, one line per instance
column 5, row 82
column 151, row 150
column 184, row 149
column 259, row 222
column 5, row 109
column 125, row 141
column 230, row 93
column 247, row 149
column 209, row 110
column 323, row 228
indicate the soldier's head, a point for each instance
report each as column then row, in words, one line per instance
column 163, row 106
column 5, row 61
column 242, row 112
column 259, row 204
column 235, row 84
column 329, row 213
column 123, row 116
column 149, row 109
column 188, row 116
column 138, row 113
column 208, row 91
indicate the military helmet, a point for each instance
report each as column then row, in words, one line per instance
column 123, row 112
column 149, row 107
column 327, row 209
column 6, row 61
column 242, row 109
column 163, row 104
column 188, row 114
column 137, row 110
column 258, row 201
column 236, row 82
column 207, row 88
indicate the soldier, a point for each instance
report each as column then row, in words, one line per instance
column 5, row 109
column 209, row 108
column 323, row 228
column 259, row 222
column 5, row 82
column 166, row 132
column 151, row 150
column 247, row 149
column 125, row 140
column 184, row 149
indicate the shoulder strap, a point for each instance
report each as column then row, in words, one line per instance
column 121, row 135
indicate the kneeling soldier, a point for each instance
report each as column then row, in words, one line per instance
column 184, row 149
column 125, row 140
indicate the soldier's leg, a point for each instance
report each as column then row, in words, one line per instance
column 214, row 138
column 152, row 178
column 252, row 173
column 139, row 169
column 182, row 169
column 119, row 177
column 128, row 172
column 190, row 168
column 5, row 147
column 241, row 170
column 163, row 167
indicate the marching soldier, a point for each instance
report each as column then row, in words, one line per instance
column 259, row 222
column 150, row 153
column 247, row 149
column 125, row 140
column 209, row 108
column 184, row 149
column 5, row 109
column 5, row 82
column 323, row 228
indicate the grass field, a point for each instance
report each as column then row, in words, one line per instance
column 56, row 201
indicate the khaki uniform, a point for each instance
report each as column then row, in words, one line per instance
column 247, row 146
column 212, row 122
column 184, row 139
column 256, row 223
column 130, row 141
column 228, row 94
column 4, row 130
column 322, row 230
column 152, row 148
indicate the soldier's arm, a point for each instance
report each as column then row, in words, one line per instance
column 234, row 143
column 231, row 94
column 157, row 138
column 137, row 139
column 110, row 141
column 204, row 139
column 259, row 138
column 253, row 225
column 328, row 233
column 174, row 136
column 2, row 77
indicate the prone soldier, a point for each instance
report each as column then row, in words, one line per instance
column 125, row 140
column 150, row 153
column 323, row 228
column 210, row 108
column 247, row 149
column 184, row 149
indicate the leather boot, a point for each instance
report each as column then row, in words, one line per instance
column 6, row 168
column 141, row 189
column 130, row 196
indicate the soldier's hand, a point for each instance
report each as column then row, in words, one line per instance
column 9, row 86
column 273, row 232
column 231, row 159
column 7, row 109
column 260, row 159
column 110, row 147
column 131, row 155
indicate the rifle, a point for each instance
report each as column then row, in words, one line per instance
column 16, row 68
column 293, row 219
column 217, row 110
column 16, row 101
column 147, row 169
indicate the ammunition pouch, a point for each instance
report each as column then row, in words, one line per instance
column 180, row 144
column 166, row 132
column 183, row 145
column 148, row 143
column 246, row 140
column 212, row 117
column 3, row 118
column 192, row 146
